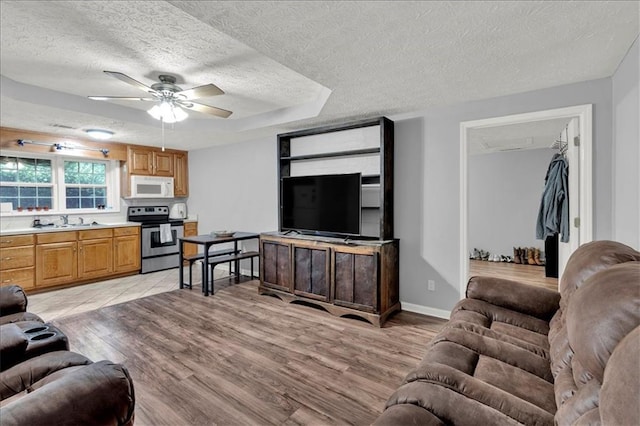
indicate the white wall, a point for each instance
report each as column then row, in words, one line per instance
column 626, row 160
column 504, row 193
column 235, row 186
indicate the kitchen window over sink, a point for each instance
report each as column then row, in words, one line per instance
column 39, row 184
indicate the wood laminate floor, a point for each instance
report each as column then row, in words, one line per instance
column 529, row 274
column 239, row 358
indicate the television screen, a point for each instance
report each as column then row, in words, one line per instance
column 323, row 204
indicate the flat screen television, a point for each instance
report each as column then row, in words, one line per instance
column 322, row 204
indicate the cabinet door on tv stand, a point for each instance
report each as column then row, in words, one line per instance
column 276, row 263
column 311, row 272
column 356, row 279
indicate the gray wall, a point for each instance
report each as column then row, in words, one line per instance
column 234, row 186
column 626, row 132
column 504, row 193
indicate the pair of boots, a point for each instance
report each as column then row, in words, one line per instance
column 527, row 255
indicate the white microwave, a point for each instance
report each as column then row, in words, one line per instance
column 151, row 187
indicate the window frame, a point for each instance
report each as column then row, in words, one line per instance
column 59, row 187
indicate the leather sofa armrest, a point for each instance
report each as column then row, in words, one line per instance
column 531, row 300
column 12, row 300
column 13, row 344
column 99, row 393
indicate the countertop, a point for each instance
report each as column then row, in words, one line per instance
column 71, row 228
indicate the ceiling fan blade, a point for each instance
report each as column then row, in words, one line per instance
column 129, row 80
column 219, row 112
column 119, row 98
column 201, row 91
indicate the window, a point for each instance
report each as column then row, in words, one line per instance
column 56, row 183
column 85, row 184
column 26, row 182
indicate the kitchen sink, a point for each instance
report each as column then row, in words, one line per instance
column 69, row 225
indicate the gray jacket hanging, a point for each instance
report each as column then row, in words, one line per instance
column 553, row 216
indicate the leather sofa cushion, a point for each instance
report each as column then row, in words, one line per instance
column 12, row 300
column 13, row 344
column 601, row 314
column 19, row 317
column 619, row 406
column 590, row 258
column 98, row 394
column 22, row 376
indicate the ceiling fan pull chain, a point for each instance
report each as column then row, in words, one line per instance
column 162, row 125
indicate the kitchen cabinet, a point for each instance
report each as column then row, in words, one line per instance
column 149, row 161
column 126, row 249
column 17, row 260
column 95, row 253
column 181, row 174
column 354, row 278
column 190, row 230
column 56, row 258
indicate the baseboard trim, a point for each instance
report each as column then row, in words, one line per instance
column 425, row 310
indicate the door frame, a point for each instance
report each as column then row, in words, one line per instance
column 585, row 119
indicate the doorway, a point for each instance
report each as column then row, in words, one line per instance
column 577, row 123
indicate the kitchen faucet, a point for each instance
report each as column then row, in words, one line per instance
column 65, row 219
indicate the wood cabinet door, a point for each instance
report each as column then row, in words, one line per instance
column 56, row 263
column 180, row 175
column 311, row 272
column 355, row 279
column 162, row 163
column 140, row 161
column 126, row 249
column 275, row 261
column 22, row 277
column 95, row 258
column 190, row 230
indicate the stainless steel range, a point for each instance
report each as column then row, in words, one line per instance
column 159, row 240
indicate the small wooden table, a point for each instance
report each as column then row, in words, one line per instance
column 207, row 241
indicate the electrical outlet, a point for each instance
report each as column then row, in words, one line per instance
column 431, row 285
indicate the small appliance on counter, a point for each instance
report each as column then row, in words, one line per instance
column 178, row 211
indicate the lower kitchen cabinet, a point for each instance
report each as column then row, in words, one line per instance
column 17, row 260
column 95, row 253
column 190, row 230
column 56, row 258
column 126, row 249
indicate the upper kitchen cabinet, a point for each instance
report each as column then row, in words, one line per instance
column 149, row 161
column 180, row 174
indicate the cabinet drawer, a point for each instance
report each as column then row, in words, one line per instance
column 16, row 257
column 16, row 240
column 191, row 228
column 92, row 234
column 129, row 230
column 22, row 277
column 56, row 237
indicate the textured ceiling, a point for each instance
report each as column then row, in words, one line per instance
column 291, row 65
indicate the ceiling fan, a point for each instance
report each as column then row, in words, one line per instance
column 170, row 98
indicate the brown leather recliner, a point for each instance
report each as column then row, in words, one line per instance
column 518, row 354
column 13, row 305
column 41, row 382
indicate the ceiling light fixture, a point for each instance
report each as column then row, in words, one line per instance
column 167, row 112
column 99, row 134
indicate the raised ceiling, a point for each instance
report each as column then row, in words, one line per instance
column 291, row 65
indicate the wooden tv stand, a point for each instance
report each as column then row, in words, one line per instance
column 346, row 278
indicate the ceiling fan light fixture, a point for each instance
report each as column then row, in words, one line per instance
column 99, row 134
column 167, row 112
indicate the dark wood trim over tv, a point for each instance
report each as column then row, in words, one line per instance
column 382, row 177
